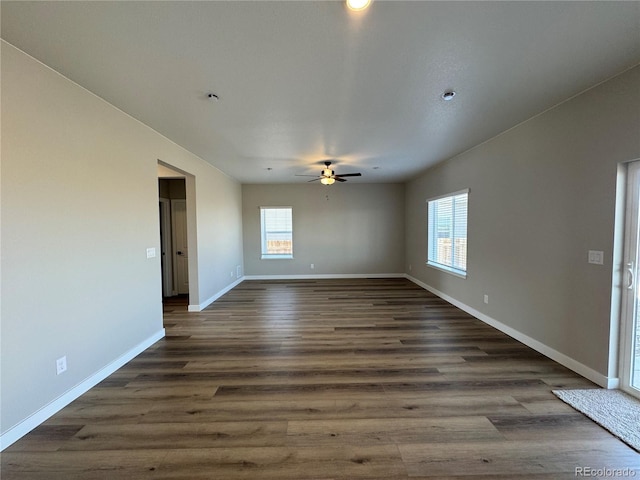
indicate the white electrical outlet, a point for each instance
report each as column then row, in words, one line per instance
column 312, row 266
column 231, row 274
column 151, row 252
column 61, row 365
column 486, row 299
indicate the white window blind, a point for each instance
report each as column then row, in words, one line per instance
column 276, row 225
column 447, row 236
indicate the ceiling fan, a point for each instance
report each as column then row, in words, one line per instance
column 328, row 176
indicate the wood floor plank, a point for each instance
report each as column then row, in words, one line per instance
column 439, row 405
column 354, row 462
column 376, row 431
column 560, row 427
column 60, row 465
column 516, row 457
column 179, row 435
column 326, row 380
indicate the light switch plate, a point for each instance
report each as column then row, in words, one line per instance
column 596, row 257
column 151, row 252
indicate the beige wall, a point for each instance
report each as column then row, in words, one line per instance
column 79, row 209
column 342, row 229
column 541, row 196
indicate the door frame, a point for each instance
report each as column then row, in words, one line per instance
column 629, row 282
column 167, row 170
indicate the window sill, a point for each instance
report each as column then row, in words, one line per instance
column 276, row 257
column 443, row 268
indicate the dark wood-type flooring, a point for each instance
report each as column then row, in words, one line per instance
column 328, row 379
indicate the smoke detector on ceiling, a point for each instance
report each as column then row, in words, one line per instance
column 448, row 95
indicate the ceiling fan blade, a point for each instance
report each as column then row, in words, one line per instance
column 337, row 177
column 349, row 175
column 314, row 180
column 298, row 175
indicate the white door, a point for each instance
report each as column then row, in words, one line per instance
column 165, row 247
column 630, row 326
column 180, row 248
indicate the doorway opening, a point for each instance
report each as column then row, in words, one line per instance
column 174, row 237
column 174, row 223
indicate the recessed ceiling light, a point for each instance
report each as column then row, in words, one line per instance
column 358, row 4
column 448, row 95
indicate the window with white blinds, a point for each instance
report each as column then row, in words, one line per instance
column 447, row 232
column 276, row 226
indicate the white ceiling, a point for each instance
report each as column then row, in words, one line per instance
column 304, row 81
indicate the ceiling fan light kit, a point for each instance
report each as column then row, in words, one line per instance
column 358, row 5
column 327, row 181
column 329, row 177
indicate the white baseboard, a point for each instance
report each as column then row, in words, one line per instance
column 561, row 358
column 206, row 303
column 320, row 276
column 21, row 429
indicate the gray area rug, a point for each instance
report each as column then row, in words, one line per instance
column 614, row 410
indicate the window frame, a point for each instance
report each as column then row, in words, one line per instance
column 433, row 263
column 264, row 255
